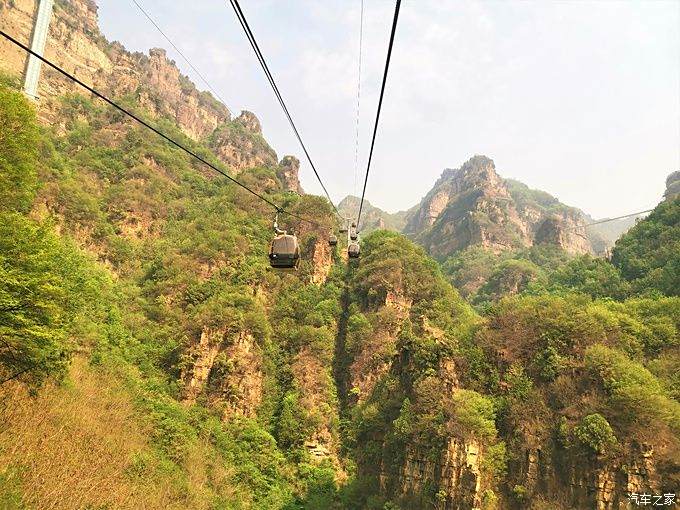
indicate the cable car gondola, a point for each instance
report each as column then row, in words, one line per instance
column 332, row 240
column 353, row 250
column 353, row 234
column 284, row 252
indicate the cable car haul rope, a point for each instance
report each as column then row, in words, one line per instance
column 285, row 247
column 284, row 250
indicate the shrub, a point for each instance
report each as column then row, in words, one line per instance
column 595, row 433
column 475, row 414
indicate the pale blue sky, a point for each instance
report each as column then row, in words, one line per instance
column 578, row 98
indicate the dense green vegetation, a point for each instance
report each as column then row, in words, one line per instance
column 644, row 262
column 255, row 389
column 649, row 254
column 137, row 251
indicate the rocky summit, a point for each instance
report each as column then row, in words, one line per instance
column 473, row 205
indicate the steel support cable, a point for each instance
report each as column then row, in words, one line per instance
column 356, row 137
column 198, row 73
column 260, row 57
column 377, row 117
column 608, row 220
column 149, row 126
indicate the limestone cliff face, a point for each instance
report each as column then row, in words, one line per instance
column 240, row 144
column 322, row 261
column 597, row 483
column 153, row 81
column 455, row 472
column 563, row 231
column 672, row 186
column 372, row 218
column 452, row 470
column 75, row 43
column 224, row 368
column 473, row 205
column 287, row 172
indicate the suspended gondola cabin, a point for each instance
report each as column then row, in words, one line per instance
column 284, row 252
column 353, row 234
column 353, row 250
column 332, row 240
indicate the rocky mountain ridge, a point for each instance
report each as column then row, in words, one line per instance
column 474, row 206
column 152, row 83
column 365, row 384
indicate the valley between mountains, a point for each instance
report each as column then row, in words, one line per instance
column 488, row 350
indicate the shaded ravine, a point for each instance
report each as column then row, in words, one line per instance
column 341, row 361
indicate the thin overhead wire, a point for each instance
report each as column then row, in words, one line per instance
column 150, row 127
column 263, row 63
column 377, row 117
column 356, row 138
column 198, row 73
column 609, row 219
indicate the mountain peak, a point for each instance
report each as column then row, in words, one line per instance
column 372, row 217
column 250, row 122
column 473, row 205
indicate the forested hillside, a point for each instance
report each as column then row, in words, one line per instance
column 151, row 358
column 139, row 319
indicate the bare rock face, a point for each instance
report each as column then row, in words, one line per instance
column 314, row 379
column 566, row 232
column 249, row 122
column 200, row 363
column 225, row 368
column 586, row 482
column 372, row 218
column 672, row 186
column 240, row 145
column 75, row 43
column 322, row 261
column 468, row 206
column 287, row 172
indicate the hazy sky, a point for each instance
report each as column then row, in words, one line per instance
column 578, row 98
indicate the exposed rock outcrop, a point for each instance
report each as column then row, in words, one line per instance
column 372, row 217
column 473, row 205
column 249, row 122
column 672, row 186
column 240, row 144
column 227, row 369
column 75, row 43
column 287, row 172
column 322, row 261
column 560, row 231
column 455, row 472
column 200, row 362
column 595, row 483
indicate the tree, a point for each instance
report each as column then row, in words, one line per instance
column 18, row 151
column 595, row 433
column 649, row 254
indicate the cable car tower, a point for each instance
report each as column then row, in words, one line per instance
column 40, row 29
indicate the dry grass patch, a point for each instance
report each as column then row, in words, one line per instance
column 77, row 445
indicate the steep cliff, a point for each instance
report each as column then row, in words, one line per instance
column 198, row 377
column 151, row 82
column 672, row 186
column 287, row 172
